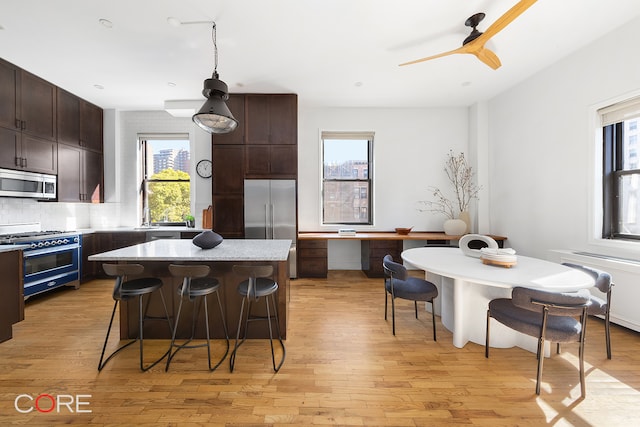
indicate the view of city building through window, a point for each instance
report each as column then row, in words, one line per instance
column 167, row 187
column 629, row 180
column 346, row 178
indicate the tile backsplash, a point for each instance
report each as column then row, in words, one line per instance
column 59, row 216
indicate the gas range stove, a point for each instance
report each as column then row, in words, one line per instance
column 31, row 236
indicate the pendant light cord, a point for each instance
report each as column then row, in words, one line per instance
column 215, row 51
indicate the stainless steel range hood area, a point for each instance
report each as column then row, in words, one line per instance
column 27, row 184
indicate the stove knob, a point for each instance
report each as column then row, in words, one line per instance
column 33, row 245
column 58, row 242
column 65, row 241
column 47, row 243
column 40, row 244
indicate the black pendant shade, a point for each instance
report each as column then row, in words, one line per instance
column 215, row 116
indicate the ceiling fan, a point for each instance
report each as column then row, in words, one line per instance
column 474, row 43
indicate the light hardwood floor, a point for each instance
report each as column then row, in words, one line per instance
column 343, row 367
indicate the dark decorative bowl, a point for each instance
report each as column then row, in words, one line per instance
column 403, row 230
column 207, row 239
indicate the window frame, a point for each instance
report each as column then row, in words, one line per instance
column 612, row 119
column 144, row 162
column 369, row 180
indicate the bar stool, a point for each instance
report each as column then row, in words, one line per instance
column 196, row 285
column 258, row 284
column 125, row 289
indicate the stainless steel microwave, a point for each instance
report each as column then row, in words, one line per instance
column 27, row 184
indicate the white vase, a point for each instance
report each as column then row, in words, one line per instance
column 464, row 215
column 455, row 227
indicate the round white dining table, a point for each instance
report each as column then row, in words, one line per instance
column 466, row 285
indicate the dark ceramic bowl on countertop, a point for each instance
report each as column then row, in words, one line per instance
column 403, row 230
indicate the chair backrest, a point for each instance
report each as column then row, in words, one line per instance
column 253, row 272
column 394, row 270
column 558, row 303
column 188, row 272
column 120, row 272
column 602, row 278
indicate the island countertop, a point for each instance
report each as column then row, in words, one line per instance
column 185, row 250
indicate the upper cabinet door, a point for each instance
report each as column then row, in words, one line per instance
column 9, row 95
column 272, row 119
column 90, row 126
column 68, row 116
column 38, row 112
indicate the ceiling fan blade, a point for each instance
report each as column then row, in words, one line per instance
column 505, row 20
column 462, row 49
column 488, row 57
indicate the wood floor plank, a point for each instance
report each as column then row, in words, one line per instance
column 343, row 367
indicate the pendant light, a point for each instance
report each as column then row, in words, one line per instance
column 215, row 116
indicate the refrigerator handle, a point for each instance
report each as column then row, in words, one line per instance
column 272, row 224
column 266, row 221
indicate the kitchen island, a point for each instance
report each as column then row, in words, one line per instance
column 158, row 254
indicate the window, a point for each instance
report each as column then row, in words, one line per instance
column 166, row 188
column 347, row 181
column 621, row 171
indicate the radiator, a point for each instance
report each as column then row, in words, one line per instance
column 625, row 274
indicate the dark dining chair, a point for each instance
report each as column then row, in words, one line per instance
column 548, row 316
column 399, row 284
column 599, row 306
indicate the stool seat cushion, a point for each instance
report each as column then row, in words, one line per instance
column 264, row 286
column 140, row 286
column 201, row 286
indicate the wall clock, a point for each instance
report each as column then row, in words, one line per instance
column 204, row 168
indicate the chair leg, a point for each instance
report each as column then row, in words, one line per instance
column 415, row 307
column 540, row 362
column 607, row 334
column 486, row 339
column 173, row 337
column 433, row 319
column 393, row 315
column 101, row 364
column 386, row 297
column 275, row 312
column 232, row 358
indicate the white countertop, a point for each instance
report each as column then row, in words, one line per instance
column 185, row 250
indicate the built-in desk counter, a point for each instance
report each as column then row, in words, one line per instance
column 312, row 248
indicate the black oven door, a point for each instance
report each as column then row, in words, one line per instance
column 48, row 268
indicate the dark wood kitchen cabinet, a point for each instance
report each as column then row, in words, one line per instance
column 80, row 180
column 373, row 251
column 312, row 258
column 27, row 102
column 12, row 289
column 79, row 122
column 264, row 146
column 25, row 152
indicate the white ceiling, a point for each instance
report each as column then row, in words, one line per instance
column 330, row 52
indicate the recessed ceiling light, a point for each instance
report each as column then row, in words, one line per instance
column 358, row 84
column 106, row 23
column 465, row 84
column 1, row 27
column 97, row 86
column 171, row 84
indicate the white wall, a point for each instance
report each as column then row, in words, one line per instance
column 541, row 145
column 410, row 148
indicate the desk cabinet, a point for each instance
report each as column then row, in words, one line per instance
column 373, row 251
column 312, row 258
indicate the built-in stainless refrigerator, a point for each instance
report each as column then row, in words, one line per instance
column 270, row 212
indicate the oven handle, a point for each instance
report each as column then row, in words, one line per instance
column 29, row 252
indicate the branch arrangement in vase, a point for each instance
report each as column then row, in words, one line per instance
column 461, row 177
